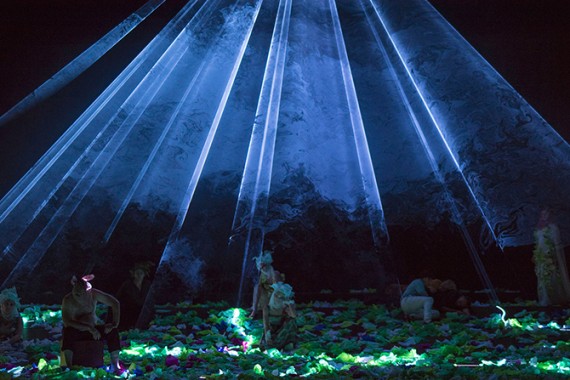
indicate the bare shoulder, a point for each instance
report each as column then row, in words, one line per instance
column 67, row 299
column 68, row 305
column 103, row 297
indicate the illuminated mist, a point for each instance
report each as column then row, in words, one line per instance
column 312, row 128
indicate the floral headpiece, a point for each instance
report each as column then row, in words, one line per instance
column 12, row 295
column 144, row 266
column 263, row 258
column 86, row 279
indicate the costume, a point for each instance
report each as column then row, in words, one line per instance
column 553, row 285
column 417, row 303
column 447, row 300
column 132, row 300
column 282, row 326
column 8, row 326
column 71, row 335
column 11, row 322
column 265, row 289
column 283, row 330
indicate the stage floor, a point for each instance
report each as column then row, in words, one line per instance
column 343, row 339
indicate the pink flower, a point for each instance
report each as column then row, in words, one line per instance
column 171, row 361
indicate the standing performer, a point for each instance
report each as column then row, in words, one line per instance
column 553, row 285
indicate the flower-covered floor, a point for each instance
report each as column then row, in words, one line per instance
column 342, row 340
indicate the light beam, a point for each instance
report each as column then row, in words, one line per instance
column 256, row 179
column 73, row 69
column 372, row 194
column 433, row 118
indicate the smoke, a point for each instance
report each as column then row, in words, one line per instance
column 182, row 262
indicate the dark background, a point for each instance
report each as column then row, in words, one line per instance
column 527, row 41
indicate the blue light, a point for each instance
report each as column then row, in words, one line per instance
column 495, row 138
column 376, row 214
column 85, row 130
column 212, row 132
column 154, row 136
column 256, row 178
column 87, row 178
column 151, row 156
column 185, row 204
column 155, row 79
column 435, row 122
column 82, row 62
column 432, row 161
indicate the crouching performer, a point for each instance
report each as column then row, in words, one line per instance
column 78, row 311
column 417, row 300
column 282, row 330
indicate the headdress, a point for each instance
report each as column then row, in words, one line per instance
column 145, row 266
column 12, row 295
column 86, row 279
column 263, row 258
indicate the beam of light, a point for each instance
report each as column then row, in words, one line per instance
column 159, row 142
column 433, row 118
column 372, row 194
column 152, row 155
column 56, row 223
column 74, row 68
column 158, row 70
column 189, row 194
column 256, row 179
column 90, row 174
column 143, row 63
column 483, row 275
column 491, row 67
column 181, row 215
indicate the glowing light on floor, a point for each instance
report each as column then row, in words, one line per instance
column 179, row 340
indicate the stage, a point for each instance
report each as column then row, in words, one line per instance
column 344, row 339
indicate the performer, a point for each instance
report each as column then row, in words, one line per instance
column 11, row 322
column 79, row 319
column 281, row 332
column 263, row 289
column 132, row 295
column 553, row 284
column 417, row 302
